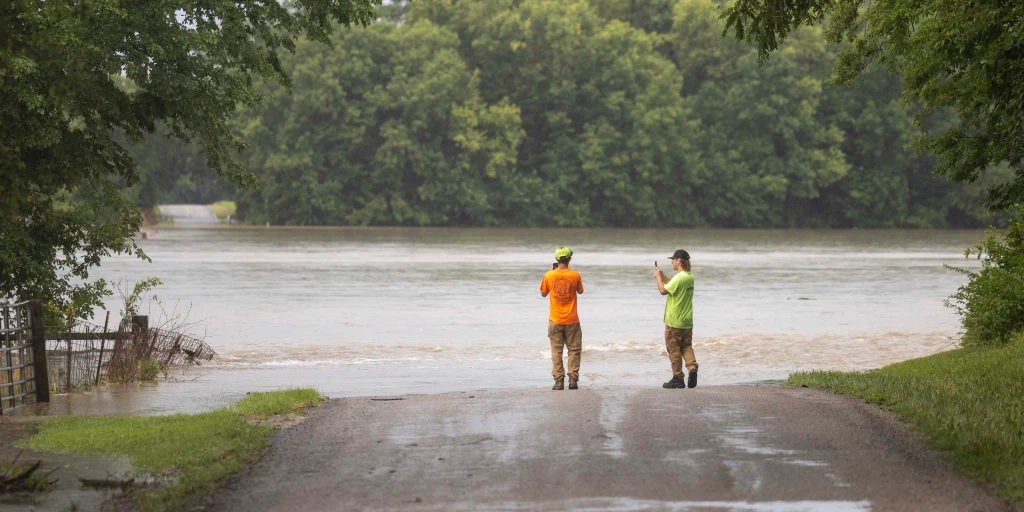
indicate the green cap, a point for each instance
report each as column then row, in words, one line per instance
column 563, row 252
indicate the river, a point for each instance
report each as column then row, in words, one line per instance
column 389, row 311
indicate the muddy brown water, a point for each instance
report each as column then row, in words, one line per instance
column 390, row 311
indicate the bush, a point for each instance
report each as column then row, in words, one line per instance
column 991, row 304
column 149, row 370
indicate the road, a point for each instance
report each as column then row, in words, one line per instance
column 715, row 448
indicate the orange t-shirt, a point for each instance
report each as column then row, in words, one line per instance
column 562, row 287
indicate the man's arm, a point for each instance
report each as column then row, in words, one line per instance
column 661, row 280
column 579, row 285
column 544, row 290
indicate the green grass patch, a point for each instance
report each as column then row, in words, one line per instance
column 196, row 450
column 969, row 403
column 277, row 402
column 223, row 208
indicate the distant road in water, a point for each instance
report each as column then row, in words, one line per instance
column 189, row 213
column 749, row 448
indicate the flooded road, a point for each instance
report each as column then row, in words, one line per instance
column 389, row 311
column 720, row 448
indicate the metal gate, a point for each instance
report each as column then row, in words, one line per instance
column 22, row 345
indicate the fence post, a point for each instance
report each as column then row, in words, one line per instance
column 67, row 376
column 39, row 371
column 103, row 342
column 140, row 324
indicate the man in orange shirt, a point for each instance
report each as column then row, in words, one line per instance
column 562, row 285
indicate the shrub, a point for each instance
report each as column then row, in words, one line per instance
column 991, row 304
column 149, row 370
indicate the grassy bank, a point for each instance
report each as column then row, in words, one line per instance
column 195, row 451
column 969, row 403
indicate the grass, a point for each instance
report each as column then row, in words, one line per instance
column 261, row 405
column 969, row 403
column 197, row 450
column 223, row 208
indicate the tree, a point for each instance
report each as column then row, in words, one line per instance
column 578, row 113
column 77, row 76
column 959, row 55
column 963, row 55
column 389, row 130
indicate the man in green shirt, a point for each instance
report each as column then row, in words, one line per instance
column 679, row 320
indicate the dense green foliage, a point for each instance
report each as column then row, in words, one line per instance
column 958, row 54
column 582, row 113
column 965, row 401
column 991, row 304
column 78, row 78
column 197, row 451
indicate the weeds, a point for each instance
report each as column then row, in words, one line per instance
column 277, row 402
column 15, row 477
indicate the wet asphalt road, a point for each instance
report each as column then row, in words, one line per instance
column 750, row 448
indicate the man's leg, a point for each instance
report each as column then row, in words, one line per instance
column 691, row 360
column 574, row 343
column 673, row 344
column 556, row 334
column 673, row 339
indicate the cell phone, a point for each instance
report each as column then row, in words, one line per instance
column 655, row 263
column 554, row 266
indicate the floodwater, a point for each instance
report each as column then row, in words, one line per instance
column 388, row 311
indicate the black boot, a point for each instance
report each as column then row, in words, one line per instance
column 693, row 379
column 675, row 383
column 573, row 383
column 559, row 385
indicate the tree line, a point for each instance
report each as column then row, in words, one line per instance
column 573, row 113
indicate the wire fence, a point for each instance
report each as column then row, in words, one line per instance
column 17, row 372
column 84, row 355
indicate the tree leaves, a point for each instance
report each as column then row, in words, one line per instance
column 960, row 55
column 79, row 77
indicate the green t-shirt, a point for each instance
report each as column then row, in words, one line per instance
column 679, row 306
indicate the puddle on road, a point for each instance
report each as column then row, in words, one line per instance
column 614, row 408
column 745, row 440
column 633, row 504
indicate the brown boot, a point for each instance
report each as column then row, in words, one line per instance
column 573, row 383
column 559, row 385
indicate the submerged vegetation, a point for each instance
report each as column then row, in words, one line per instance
column 192, row 453
column 18, row 476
